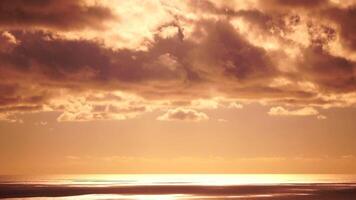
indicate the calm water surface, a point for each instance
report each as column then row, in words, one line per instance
column 167, row 186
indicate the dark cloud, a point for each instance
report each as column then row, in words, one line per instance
column 58, row 14
column 199, row 58
column 344, row 18
column 330, row 72
column 84, row 61
column 21, row 108
column 340, row 14
column 225, row 49
column 296, row 3
column 19, row 98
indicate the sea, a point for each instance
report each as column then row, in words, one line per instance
column 179, row 186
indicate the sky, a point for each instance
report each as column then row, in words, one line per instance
column 192, row 86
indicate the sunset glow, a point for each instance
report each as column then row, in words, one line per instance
column 208, row 92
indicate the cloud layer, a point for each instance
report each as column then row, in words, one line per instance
column 56, row 55
column 181, row 114
column 306, row 111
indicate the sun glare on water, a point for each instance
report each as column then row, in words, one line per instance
column 197, row 179
column 181, row 186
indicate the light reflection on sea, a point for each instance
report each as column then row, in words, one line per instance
column 180, row 179
column 177, row 186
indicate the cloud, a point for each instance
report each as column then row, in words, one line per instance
column 9, row 118
column 342, row 17
column 41, row 123
column 7, row 40
column 52, row 14
column 280, row 111
column 205, row 104
column 296, row 3
column 222, row 120
column 328, row 71
column 183, row 114
column 321, row 117
column 235, row 105
column 184, row 54
column 99, row 106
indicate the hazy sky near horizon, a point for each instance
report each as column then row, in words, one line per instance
column 193, row 86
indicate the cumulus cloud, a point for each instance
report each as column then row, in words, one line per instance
column 7, row 40
column 235, row 105
column 321, row 117
column 99, row 106
column 281, row 111
column 183, row 54
column 183, row 114
column 9, row 118
column 222, row 120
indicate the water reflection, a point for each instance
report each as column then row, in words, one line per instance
column 164, row 187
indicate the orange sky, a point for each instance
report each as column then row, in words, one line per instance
column 240, row 86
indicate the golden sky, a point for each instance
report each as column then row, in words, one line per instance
column 177, row 86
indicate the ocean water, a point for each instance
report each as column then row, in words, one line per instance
column 180, row 186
